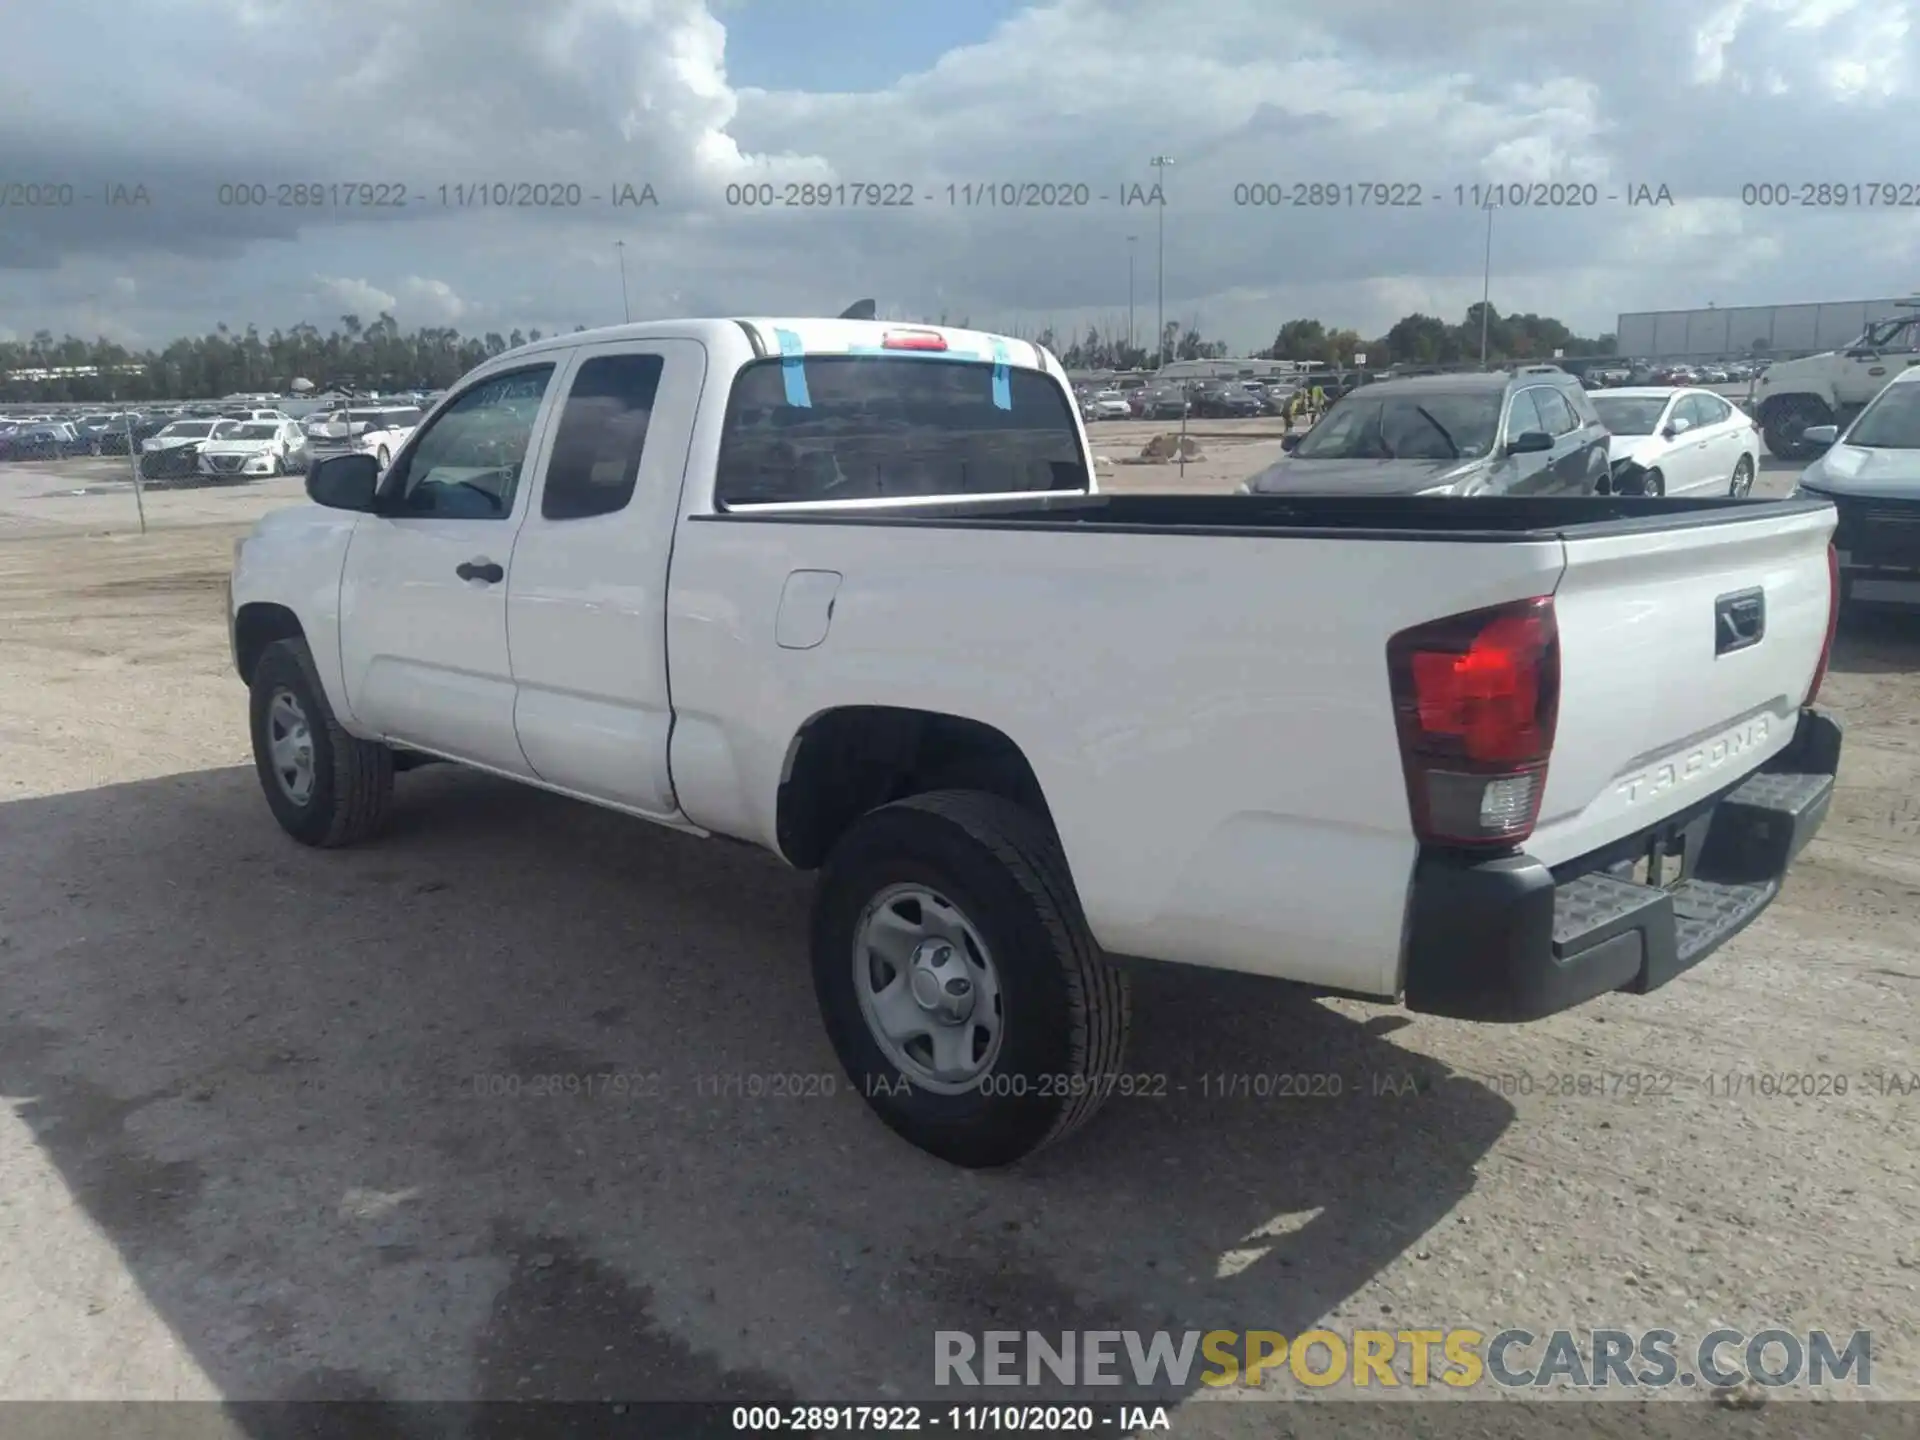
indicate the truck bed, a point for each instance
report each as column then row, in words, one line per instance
column 1236, row 689
column 1355, row 517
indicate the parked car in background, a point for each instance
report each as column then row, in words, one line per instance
column 135, row 430
column 1164, row 402
column 256, row 413
column 1792, row 397
column 1871, row 473
column 49, row 440
column 1227, row 400
column 1107, row 405
column 378, row 431
column 175, row 450
column 95, row 429
column 254, row 449
column 1678, row 441
column 1530, row 431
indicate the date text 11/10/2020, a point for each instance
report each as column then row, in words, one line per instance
column 963, row 195
column 351, row 195
column 1414, row 195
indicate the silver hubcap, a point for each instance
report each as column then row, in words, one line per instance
column 290, row 746
column 927, row 989
column 1742, row 479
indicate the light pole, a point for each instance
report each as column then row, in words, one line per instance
column 1161, row 163
column 625, row 308
column 1130, row 255
column 1486, row 285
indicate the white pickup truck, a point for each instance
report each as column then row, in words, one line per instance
column 847, row 591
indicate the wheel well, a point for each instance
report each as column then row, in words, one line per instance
column 257, row 626
column 846, row 762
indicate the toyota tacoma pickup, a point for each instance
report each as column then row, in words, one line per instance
column 849, row 592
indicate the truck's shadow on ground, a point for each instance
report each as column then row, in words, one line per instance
column 281, row 1082
column 1877, row 640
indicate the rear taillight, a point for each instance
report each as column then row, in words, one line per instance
column 1833, row 623
column 1476, row 697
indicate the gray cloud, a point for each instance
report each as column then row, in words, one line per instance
column 601, row 94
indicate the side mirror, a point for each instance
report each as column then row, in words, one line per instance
column 1289, row 443
column 1821, row 435
column 1677, row 427
column 345, row 482
column 1533, row 442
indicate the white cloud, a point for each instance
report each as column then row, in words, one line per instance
column 594, row 93
column 429, row 302
column 355, row 297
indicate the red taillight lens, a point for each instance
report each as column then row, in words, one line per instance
column 913, row 340
column 1833, row 623
column 1476, row 697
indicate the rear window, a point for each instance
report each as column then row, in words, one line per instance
column 869, row 427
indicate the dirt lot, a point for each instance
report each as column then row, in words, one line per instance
column 260, row 1140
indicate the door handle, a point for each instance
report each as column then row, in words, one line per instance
column 1739, row 621
column 483, row 570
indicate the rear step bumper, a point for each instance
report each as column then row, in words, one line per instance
column 1509, row 940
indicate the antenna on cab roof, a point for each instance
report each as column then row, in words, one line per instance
column 861, row 310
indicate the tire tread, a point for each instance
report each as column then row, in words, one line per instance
column 362, row 769
column 1101, row 1000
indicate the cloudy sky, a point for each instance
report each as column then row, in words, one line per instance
column 207, row 105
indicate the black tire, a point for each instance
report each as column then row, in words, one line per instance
column 1065, row 1011
column 352, row 778
column 383, row 458
column 1653, row 483
column 1783, row 425
column 1741, row 485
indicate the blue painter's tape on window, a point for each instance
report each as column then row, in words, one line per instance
column 1002, row 378
column 793, row 369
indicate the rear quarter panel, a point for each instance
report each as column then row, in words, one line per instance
column 1208, row 715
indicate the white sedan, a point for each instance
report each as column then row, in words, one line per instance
column 253, row 448
column 1109, row 405
column 1678, row 440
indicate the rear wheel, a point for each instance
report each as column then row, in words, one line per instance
column 1785, row 423
column 1742, row 483
column 326, row 787
column 968, row 1003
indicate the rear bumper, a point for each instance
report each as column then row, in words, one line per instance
column 1510, row 940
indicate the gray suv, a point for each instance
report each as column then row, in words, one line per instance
column 1529, row 430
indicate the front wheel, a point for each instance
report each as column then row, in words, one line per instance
column 1742, row 483
column 382, row 457
column 1653, row 483
column 326, row 787
column 967, row 1001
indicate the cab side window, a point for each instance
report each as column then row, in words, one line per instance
column 1555, row 413
column 466, row 465
column 1523, row 416
column 601, row 436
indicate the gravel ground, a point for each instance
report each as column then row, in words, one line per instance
column 260, row 1142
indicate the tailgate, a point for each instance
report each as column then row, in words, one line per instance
column 1666, row 699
